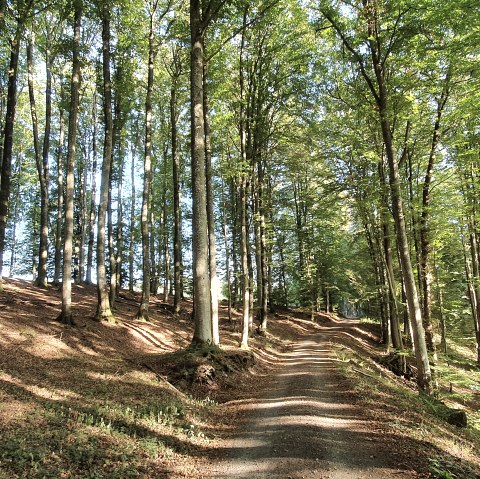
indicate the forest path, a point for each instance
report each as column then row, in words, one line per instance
column 306, row 424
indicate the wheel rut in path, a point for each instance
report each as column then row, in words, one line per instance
column 306, row 425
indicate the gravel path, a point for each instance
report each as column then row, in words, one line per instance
column 306, row 425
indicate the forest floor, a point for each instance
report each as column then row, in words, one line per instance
column 129, row 400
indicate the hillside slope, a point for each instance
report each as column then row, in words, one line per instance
column 127, row 400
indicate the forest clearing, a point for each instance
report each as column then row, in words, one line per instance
column 114, row 401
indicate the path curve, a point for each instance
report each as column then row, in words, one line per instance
column 306, row 425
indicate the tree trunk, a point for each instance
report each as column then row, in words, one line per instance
column 263, row 249
column 93, row 194
column 395, row 331
column 201, row 280
column 244, row 264
column 66, row 314
column 244, row 271
column 112, row 289
column 177, row 221
column 131, row 240
column 41, row 159
column 6, row 172
column 119, row 235
column 424, row 378
column 425, row 266
column 103, row 305
column 227, row 253
column 60, row 202
column 16, row 207
column 142, row 312
column 82, row 215
column 212, row 262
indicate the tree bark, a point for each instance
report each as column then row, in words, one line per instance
column 66, row 314
column 60, row 201
column 41, row 158
column 201, row 280
column 425, row 246
column 131, row 240
column 177, row 221
column 142, row 312
column 244, row 266
column 93, row 194
column 103, row 305
column 212, row 262
column 16, row 207
column 6, row 172
column 415, row 315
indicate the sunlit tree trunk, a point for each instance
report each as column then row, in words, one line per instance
column 103, row 305
column 201, row 280
column 212, row 262
column 142, row 312
column 60, row 201
column 66, row 314
column 41, row 158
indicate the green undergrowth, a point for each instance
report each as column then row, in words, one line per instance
column 102, row 440
column 447, row 452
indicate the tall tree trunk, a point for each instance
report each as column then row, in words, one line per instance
column 425, row 266
column 177, row 221
column 245, row 282
column 227, row 252
column 142, row 312
column 415, row 314
column 212, row 262
column 82, row 214
column 110, row 239
column 244, row 267
column 93, row 194
column 103, row 304
column 201, row 280
column 119, row 236
column 235, row 203
column 6, row 172
column 60, row 201
column 165, row 237
column 395, row 332
column 119, row 146
column 131, row 240
column 263, row 249
column 41, row 158
column 16, row 208
column 66, row 314
column 424, row 375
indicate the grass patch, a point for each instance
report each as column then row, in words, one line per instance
column 448, row 452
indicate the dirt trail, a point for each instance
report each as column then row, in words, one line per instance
column 306, row 425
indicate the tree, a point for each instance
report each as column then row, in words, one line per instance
column 103, row 306
column 66, row 314
column 6, row 164
column 147, row 170
column 379, row 52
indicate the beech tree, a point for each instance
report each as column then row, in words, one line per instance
column 103, row 307
column 66, row 314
